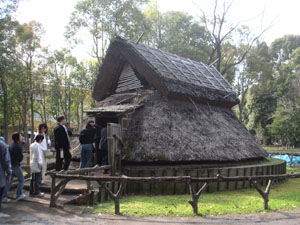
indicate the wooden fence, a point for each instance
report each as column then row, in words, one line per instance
column 103, row 181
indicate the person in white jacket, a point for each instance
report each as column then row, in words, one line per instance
column 43, row 129
column 36, row 163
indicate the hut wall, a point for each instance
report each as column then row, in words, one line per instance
column 169, row 130
column 268, row 167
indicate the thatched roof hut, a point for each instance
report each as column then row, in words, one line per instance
column 179, row 110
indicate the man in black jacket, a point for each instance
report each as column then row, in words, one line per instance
column 87, row 137
column 62, row 144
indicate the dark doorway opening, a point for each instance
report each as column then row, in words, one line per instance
column 102, row 121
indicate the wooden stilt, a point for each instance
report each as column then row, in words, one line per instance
column 115, row 197
column 195, row 196
column 52, row 197
column 264, row 194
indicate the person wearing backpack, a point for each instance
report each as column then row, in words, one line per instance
column 87, row 137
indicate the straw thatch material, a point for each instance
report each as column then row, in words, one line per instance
column 170, row 74
column 170, row 130
column 179, row 110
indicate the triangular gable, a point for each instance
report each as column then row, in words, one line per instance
column 128, row 80
column 171, row 75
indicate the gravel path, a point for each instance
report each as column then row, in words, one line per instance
column 33, row 212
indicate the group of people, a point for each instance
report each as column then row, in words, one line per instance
column 12, row 156
column 87, row 138
column 10, row 165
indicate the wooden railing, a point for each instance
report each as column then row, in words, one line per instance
column 83, row 175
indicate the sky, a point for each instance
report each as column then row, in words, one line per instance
column 282, row 15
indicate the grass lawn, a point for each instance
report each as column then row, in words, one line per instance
column 273, row 149
column 285, row 196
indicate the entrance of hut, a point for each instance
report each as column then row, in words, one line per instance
column 115, row 118
column 113, row 134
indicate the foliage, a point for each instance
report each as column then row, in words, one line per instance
column 38, row 85
column 176, row 32
column 102, row 20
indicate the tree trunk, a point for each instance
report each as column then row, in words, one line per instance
column 5, row 111
column 240, row 112
column 25, row 128
column 81, row 119
column 44, row 103
column 219, row 57
column 31, row 99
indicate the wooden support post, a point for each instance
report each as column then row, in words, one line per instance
column 264, row 194
column 91, row 198
column 56, row 190
column 88, row 184
column 195, row 196
column 53, row 192
column 218, row 182
column 228, row 175
column 115, row 197
column 99, row 194
column 60, row 187
column 208, row 175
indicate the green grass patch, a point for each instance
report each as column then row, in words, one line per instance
column 293, row 170
column 284, row 196
column 274, row 149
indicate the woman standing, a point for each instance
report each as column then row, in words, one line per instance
column 43, row 129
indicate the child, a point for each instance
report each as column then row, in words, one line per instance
column 36, row 163
column 43, row 129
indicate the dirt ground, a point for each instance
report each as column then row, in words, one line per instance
column 34, row 211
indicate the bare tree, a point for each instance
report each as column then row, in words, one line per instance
column 221, row 33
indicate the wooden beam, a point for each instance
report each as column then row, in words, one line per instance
column 80, row 171
column 179, row 179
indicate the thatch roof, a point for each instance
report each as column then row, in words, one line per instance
column 171, row 130
column 185, row 113
column 171, row 75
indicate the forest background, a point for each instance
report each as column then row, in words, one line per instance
column 38, row 83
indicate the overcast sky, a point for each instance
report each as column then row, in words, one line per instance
column 283, row 14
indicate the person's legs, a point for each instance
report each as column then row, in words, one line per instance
column 67, row 156
column 19, row 174
column 83, row 157
column 44, row 168
column 89, row 155
column 1, row 193
column 58, row 163
column 105, row 156
column 38, row 180
column 32, row 182
column 7, row 187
